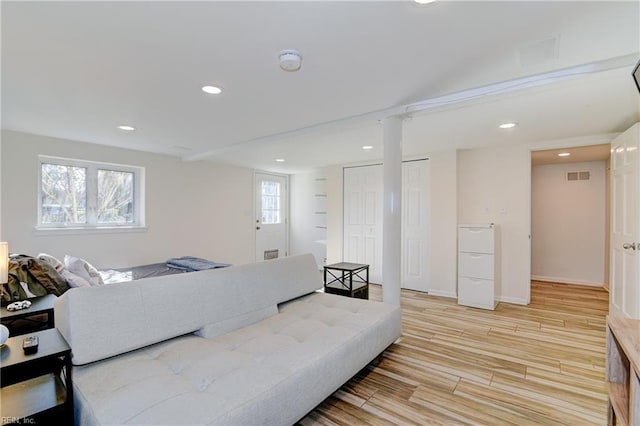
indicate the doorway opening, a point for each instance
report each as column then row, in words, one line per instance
column 570, row 215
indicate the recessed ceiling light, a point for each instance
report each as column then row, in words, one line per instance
column 280, row 160
column 367, row 147
column 212, row 90
column 424, row 1
column 508, row 125
column 126, row 128
column 564, row 154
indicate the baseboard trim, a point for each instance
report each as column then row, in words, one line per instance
column 514, row 300
column 450, row 294
column 561, row 280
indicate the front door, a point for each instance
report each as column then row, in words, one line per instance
column 625, row 225
column 271, row 218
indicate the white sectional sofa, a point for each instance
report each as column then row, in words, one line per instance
column 245, row 345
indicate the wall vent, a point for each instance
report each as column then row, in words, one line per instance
column 577, row 176
column 270, row 254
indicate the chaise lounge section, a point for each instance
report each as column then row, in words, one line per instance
column 245, row 345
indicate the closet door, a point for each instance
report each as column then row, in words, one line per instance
column 363, row 187
column 415, row 225
column 363, row 218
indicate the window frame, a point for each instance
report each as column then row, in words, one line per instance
column 92, row 168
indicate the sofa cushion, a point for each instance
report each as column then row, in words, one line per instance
column 272, row 372
column 223, row 327
column 100, row 322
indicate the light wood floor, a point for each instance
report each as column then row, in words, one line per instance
column 540, row 364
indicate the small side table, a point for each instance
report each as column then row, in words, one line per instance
column 40, row 306
column 341, row 279
column 37, row 388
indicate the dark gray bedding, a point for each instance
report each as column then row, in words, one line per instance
column 151, row 270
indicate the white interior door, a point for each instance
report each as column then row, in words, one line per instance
column 363, row 218
column 363, row 188
column 625, row 225
column 415, row 225
column 271, row 207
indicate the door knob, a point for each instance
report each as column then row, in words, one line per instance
column 631, row 246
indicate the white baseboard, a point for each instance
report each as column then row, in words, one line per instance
column 562, row 280
column 451, row 294
column 514, row 300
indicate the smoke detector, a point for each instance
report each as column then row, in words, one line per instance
column 290, row 60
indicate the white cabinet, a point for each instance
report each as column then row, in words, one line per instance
column 477, row 266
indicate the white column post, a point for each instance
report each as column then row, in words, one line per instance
column 391, row 215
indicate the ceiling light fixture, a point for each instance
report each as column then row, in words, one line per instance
column 127, row 128
column 212, row 90
column 564, row 154
column 290, row 60
column 424, row 1
column 508, row 125
column 280, row 160
column 367, row 147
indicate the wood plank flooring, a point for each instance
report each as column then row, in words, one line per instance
column 541, row 364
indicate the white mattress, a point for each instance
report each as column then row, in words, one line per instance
column 272, row 372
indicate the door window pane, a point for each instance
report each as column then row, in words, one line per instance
column 270, row 203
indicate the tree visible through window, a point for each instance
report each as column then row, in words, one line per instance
column 64, row 194
column 81, row 193
column 271, row 202
column 115, row 197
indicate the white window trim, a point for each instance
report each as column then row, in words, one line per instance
column 92, row 172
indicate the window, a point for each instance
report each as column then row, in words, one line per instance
column 86, row 194
column 271, row 203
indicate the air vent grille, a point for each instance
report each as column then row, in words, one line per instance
column 270, row 254
column 578, row 176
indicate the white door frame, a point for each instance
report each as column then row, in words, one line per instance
column 256, row 214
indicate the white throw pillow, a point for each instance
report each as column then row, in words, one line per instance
column 83, row 269
column 74, row 280
column 53, row 261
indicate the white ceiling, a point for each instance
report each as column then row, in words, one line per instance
column 76, row 70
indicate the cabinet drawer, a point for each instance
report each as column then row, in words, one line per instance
column 477, row 240
column 476, row 265
column 476, row 292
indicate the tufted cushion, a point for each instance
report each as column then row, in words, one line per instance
column 272, row 372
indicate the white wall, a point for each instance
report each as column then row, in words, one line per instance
column 335, row 202
column 443, row 232
column 568, row 224
column 199, row 209
column 308, row 214
column 494, row 185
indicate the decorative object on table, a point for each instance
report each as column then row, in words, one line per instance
column 4, row 334
column 4, row 266
column 16, row 306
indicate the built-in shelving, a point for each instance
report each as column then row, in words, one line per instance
column 623, row 371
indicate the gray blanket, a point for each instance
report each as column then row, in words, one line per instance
column 190, row 263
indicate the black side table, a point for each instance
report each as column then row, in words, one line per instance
column 342, row 281
column 27, row 320
column 36, row 388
